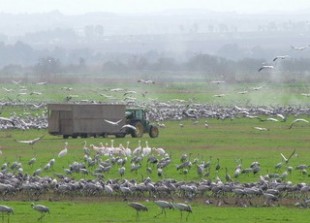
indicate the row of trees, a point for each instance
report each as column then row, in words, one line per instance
column 208, row 66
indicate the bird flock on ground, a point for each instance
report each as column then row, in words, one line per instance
column 89, row 177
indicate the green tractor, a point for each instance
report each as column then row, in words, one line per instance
column 137, row 118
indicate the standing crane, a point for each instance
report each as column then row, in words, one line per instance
column 163, row 205
column 183, row 207
column 138, row 207
column 64, row 151
column 40, row 208
column 6, row 209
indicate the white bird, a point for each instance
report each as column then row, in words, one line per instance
column 282, row 117
column 286, row 160
column 265, row 67
column 219, row 95
column 113, row 123
column 7, row 120
column 32, row 141
column 299, row 48
column 128, row 126
column 261, row 128
column 64, row 151
column 272, row 119
column 298, row 120
column 7, row 90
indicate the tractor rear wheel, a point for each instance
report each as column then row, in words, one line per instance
column 138, row 133
column 154, row 132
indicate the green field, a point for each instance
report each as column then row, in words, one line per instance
column 232, row 141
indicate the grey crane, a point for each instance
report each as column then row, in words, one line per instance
column 6, row 209
column 265, row 67
column 286, row 160
column 138, row 207
column 31, row 142
column 163, row 205
column 40, row 208
column 183, row 207
column 282, row 57
column 32, row 161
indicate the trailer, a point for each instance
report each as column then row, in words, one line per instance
column 92, row 120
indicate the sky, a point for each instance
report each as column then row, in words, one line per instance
column 133, row 6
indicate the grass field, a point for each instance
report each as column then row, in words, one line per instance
column 228, row 140
column 231, row 141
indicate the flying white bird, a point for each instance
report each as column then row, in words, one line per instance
column 7, row 120
column 113, row 123
column 32, row 141
column 265, row 67
column 128, row 126
column 298, row 120
column 261, row 129
column 286, row 160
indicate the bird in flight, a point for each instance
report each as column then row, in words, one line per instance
column 32, row 141
column 113, row 123
column 298, row 120
column 7, row 120
column 265, row 67
column 128, row 126
column 280, row 57
column 261, row 128
column 286, row 160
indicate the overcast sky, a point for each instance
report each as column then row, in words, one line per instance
column 131, row 6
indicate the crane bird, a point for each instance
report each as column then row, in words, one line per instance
column 138, row 207
column 32, row 161
column 31, row 142
column 6, row 209
column 7, row 120
column 113, row 123
column 183, row 207
column 163, row 205
column 64, row 151
column 280, row 57
column 265, row 67
column 298, row 120
column 40, row 208
column 128, row 126
column 286, row 160
column 261, row 128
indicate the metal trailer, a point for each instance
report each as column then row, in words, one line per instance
column 85, row 120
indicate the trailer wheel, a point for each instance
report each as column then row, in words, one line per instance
column 154, row 132
column 65, row 136
column 138, row 133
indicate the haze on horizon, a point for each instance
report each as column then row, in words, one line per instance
column 72, row 7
